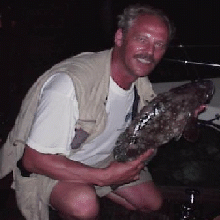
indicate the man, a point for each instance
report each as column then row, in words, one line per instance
column 73, row 116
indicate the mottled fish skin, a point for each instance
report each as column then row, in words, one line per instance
column 163, row 119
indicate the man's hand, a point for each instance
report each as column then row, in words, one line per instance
column 120, row 173
column 199, row 110
column 61, row 168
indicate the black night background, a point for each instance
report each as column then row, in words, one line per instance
column 36, row 34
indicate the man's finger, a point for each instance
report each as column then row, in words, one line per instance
column 137, row 177
column 146, row 155
column 200, row 110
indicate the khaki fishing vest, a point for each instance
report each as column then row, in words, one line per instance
column 90, row 73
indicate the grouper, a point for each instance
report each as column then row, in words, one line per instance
column 169, row 115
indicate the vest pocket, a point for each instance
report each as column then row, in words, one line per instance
column 26, row 195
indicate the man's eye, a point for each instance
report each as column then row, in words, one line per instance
column 140, row 39
column 160, row 45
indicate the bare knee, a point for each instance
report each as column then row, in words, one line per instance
column 154, row 204
column 144, row 197
column 77, row 203
column 84, row 210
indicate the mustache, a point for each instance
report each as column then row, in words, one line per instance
column 147, row 57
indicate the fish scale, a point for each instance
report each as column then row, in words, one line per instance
column 169, row 115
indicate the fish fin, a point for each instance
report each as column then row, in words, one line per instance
column 191, row 130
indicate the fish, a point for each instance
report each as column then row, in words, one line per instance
column 168, row 116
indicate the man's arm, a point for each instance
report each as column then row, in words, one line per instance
column 61, row 168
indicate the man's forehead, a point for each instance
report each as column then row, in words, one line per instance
column 147, row 24
column 150, row 19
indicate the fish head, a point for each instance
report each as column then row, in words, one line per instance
column 202, row 89
column 205, row 90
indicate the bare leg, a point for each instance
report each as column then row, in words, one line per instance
column 144, row 197
column 75, row 201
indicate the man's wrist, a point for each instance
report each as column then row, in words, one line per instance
column 102, row 177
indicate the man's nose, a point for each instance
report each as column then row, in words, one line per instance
column 150, row 48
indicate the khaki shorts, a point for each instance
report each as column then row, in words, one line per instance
column 101, row 191
column 48, row 184
column 145, row 176
column 33, row 193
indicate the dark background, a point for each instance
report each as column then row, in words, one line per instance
column 92, row 23
column 36, row 34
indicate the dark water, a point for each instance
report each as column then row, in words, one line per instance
column 181, row 163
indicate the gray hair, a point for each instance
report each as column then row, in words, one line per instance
column 133, row 11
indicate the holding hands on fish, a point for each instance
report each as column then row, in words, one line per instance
column 168, row 116
column 199, row 110
column 119, row 173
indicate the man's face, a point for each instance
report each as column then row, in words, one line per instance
column 144, row 45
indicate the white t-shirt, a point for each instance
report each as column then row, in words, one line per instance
column 54, row 125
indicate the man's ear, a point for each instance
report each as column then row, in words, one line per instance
column 118, row 37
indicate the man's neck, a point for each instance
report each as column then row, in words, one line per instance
column 118, row 72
